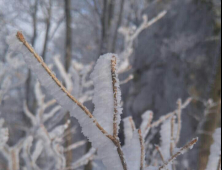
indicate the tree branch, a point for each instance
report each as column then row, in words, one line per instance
column 181, row 152
column 116, row 142
column 142, row 158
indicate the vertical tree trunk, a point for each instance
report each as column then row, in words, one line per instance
column 48, row 24
column 213, row 120
column 29, row 78
column 68, row 58
column 68, row 43
column 106, row 18
column 119, row 22
column 89, row 166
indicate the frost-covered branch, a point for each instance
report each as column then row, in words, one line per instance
column 130, row 36
column 142, row 157
column 180, row 152
column 179, row 114
column 77, row 109
column 102, row 126
column 169, row 115
column 83, row 160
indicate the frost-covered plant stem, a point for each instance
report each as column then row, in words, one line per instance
column 54, row 78
column 169, row 115
column 181, row 151
column 172, row 145
column 114, row 137
column 161, row 154
column 115, row 118
column 179, row 113
column 142, row 158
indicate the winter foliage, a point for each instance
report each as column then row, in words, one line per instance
column 101, row 127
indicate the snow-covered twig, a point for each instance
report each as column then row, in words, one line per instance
column 65, row 98
column 84, row 160
column 75, row 145
column 142, row 157
column 169, row 115
column 179, row 113
column 130, row 37
column 180, row 152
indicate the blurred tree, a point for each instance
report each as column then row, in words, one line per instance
column 33, row 41
column 68, row 58
column 48, row 12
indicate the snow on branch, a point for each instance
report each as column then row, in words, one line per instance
column 129, row 128
column 171, row 114
column 215, row 156
column 132, row 152
column 130, row 36
column 107, row 95
column 146, row 123
column 100, row 137
column 66, row 77
column 101, row 127
column 180, row 152
column 83, row 160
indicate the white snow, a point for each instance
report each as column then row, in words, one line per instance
column 147, row 119
column 104, row 94
column 128, row 129
column 132, row 152
column 165, row 133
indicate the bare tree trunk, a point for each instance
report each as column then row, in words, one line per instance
column 213, row 119
column 89, row 166
column 48, row 24
column 68, row 58
column 106, row 18
column 119, row 22
column 68, row 52
column 29, row 78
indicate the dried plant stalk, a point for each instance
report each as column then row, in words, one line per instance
column 179, row 113
column 115, row 91
column 132, row 124
column 161, row 154
column 142, row 158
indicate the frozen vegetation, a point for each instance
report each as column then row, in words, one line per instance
column 100, row 127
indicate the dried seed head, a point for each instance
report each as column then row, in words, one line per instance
column 20, row 36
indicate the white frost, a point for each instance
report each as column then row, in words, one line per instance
column 145, row 126
column 165, row 133
column 128, row 129
column 132, row 152
column 104, row 94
